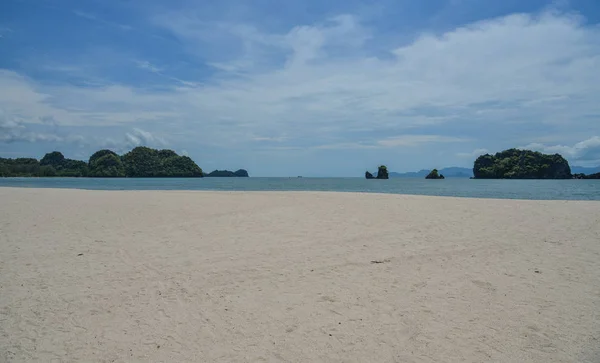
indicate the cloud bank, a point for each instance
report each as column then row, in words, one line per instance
column 339, row 84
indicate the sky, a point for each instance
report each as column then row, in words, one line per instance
column 312, row 87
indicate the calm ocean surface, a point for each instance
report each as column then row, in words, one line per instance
column 505, row 189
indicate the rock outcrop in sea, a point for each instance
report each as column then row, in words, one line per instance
column 382, row 173
column 435, row 175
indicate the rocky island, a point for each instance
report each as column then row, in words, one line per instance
column 382, row 173
column 521, row 164
column 435, row 175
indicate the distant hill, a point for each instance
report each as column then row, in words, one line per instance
column 228, row 174
column 450, row 172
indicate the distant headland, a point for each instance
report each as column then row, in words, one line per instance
column 141, row 162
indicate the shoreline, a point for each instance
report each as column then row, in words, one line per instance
column 308, row 192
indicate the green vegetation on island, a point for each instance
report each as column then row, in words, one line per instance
column 141, row 162
column 144, row 162
column 23, row 167
column 106, row 164
column 521, row 164
column 52, row 164
column 434, row 174
column 241, row 173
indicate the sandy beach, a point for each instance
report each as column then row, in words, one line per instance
column 177, row 276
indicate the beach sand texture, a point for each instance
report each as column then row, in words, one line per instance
column 178, row 276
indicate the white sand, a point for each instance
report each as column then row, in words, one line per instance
column 250, row 277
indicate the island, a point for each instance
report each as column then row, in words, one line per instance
column 382, row 173
column 241, row 173
column 141, row 162
column 521, row 164
column 434, row 174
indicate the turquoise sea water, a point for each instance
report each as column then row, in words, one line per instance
column 505, row 189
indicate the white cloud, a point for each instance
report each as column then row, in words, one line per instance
column 85, row 15
column 80, row 106
column 139, row 137
column 270, row 138
column 315, row 81
column 15, row 131
column 474, row 153
column 345, row 146
column 586, row 151
column 95, row 18
column 391, row 142
column 5, row 31
column 309, row 43
column 148, row 66
column 131, row 139
column 415, row 140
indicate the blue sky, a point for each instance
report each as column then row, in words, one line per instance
column 314, row 88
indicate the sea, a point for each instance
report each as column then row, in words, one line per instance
column 450, row 187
